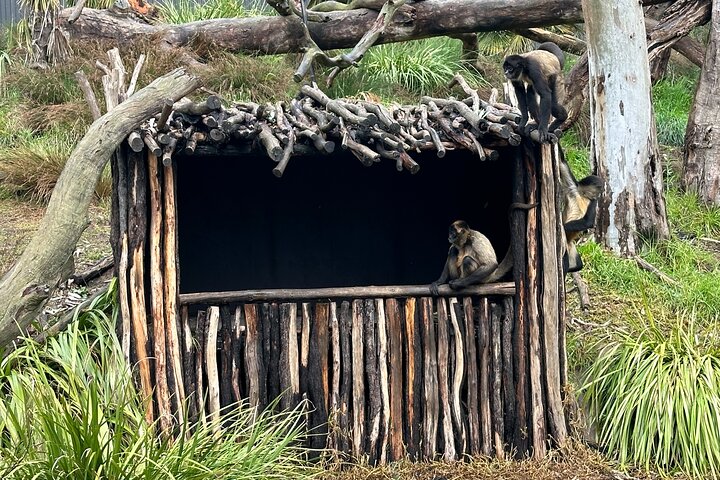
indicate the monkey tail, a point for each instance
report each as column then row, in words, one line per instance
column 502, row 269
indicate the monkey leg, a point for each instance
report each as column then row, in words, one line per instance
column 478, row 274
column 560, row 115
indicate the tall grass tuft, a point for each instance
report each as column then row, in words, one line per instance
column 420, row 67
column 69, row 410
column 655, row 396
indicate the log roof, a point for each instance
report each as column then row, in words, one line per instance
column 313, row 123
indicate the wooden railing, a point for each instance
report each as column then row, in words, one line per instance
column 388, row 375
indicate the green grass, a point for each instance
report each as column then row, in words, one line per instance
column 405, row 71
column 672, row 99
column 654, row 391
column 69, row 410
column 185, row 11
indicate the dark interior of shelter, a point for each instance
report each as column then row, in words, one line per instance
column 330, row 221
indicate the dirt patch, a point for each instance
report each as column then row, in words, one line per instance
column 578, row 463
column 18, row 222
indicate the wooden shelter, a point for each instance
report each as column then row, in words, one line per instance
column 237, row 284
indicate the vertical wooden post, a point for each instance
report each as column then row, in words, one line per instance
column 550, row 295
column 472, row 379
column 213, row 377
column 384, row 377
column 289, row 358
column 413, row 377
column 483, row 340
column 521, row 426
column 346, row 385
column 458, row 378
column 537, row 405
column 157, row 300
column 396, row 378
column 318, row 378
column 430, row 385
column 443, row 345
column 498, row 424
column 200, row 324
column 372, row 376
column 508, row 380
column 171, row 290
column 358, row 390
column 137, row 232
column 335, row 378
column 257, row 394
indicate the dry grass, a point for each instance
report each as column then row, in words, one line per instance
column 578, row 462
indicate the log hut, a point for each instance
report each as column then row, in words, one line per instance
column 286, row 250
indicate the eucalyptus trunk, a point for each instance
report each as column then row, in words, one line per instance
column 701, row 165
column 624, row 142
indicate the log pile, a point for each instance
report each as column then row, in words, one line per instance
column 314, row 123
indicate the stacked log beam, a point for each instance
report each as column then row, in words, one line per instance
column 316, row 124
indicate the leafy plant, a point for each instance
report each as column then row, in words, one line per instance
column 69, row 410
column 655, row 396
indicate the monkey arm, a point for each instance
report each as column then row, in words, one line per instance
column 444, row 276
column 584, row 223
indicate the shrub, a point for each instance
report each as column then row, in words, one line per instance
column 69, row 410
column 655, row 396
column 672, row 99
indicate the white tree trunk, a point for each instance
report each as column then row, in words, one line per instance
column 701, row 166
column 624, row 143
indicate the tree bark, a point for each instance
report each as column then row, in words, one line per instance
column 624, row 143
column 283, row 34
column 701, row 165
column 25, row 288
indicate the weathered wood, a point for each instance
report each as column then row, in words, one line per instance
column 504, row 288
column 358, row 390
column 157, row 311
column 394, row 328
column 550, row 293
column 89, row 94
column 122, row 271
column 458, row 367
column 135, row 141
column 383, row 341
column 238, row 327
column 289, row 357
column 345, row 426
column 537, row 410
column 443, row 345
column 508, row 369
column 413, row 380
column 484, row 352
column 225, row 336
column 200, row 323
column 472, row 379
column 318, row 374
column 372, row 376
column 304, row 347
column 137, row 231
column 264, row 328
column 498, row 424
column 334, row 378
column 257, row 394
column 283, row 34
column 213, row 377
column 430, row 384
column 171, row 290
column 188, row 363
column 518, row 234
column 273, row 365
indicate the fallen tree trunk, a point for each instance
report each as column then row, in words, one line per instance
column 283, row 34
column 25, row 288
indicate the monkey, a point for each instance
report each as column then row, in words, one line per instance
column 537, row 79
column 579, row 211
column 470, row 259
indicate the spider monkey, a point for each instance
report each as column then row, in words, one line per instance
column 537, row 79
column 579, row 211
column 471, row 259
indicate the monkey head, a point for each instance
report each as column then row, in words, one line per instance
column 458, row 232
column 591, row 187
column 513, row 66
